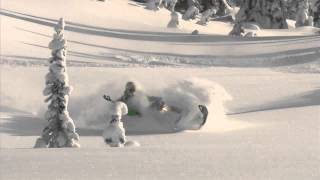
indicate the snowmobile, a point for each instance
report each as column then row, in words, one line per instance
column 186, row 119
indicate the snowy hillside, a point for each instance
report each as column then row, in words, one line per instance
column 262, row 94
column 105, row 36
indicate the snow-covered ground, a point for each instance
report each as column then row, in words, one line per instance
column 272, row 124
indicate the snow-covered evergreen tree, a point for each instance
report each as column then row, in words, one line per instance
column 291, row 7
column 206, row 16
column 268, row 14
column 316, row 13
column 226, row 7
column 301, row 11
column 237, row 30
column 60, row 130
column 170, row 4
column 222, row 7
column 174, row 21
column 192, row 3
column 189, row 7
column 153, row 4
column 191, row 13
column 302, row 14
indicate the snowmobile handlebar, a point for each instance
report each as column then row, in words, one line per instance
column 107, row 98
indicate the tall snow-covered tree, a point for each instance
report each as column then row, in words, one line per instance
column 316, row 13
column 60, row 130
column 268, row 14
column 153, row 4
column 191, row 13
column 237, row 30
column 206, row 16
column 222, row 7
column 302, row 13
column 291, row 7
column 169, row 4
column 202, row 5
column 191, row 8
column 174, row 21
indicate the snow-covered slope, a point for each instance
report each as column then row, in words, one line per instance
column 273, row 121
column 103, row 35
column 280, row 150
column 270, row 129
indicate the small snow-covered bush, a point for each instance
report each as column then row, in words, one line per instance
column 195, row 32
column 114, row 133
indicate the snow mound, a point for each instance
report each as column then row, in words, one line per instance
column 311, row 67
column 132, row 143
column 92, row 111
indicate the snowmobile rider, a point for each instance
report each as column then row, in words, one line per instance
column 156, row 103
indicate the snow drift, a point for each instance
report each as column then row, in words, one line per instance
column 91, row 112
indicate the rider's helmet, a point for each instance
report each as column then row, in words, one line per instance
column 131, row 87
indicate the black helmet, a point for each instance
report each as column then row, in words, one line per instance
column 131, row 87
